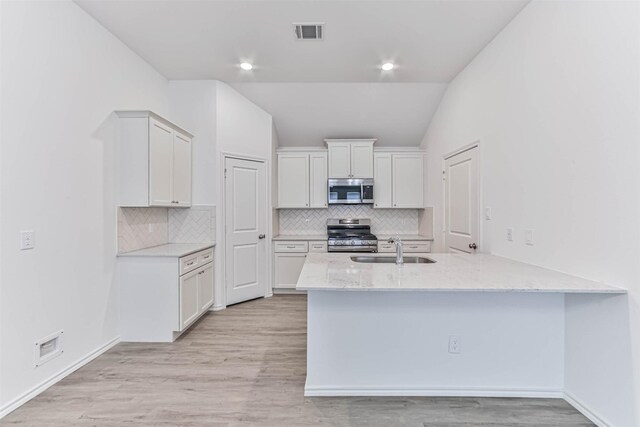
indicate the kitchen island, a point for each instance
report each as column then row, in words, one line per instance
column 466, row 325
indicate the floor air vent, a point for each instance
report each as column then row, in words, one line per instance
column 309, row 31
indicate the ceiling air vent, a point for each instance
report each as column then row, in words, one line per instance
column 309, row 31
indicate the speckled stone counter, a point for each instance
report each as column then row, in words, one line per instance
column 450, row 272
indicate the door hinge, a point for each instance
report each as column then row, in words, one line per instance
column 225, row 173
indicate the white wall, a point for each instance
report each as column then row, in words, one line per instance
column 62, row 77
column 242, row 127
column 555, row 103
column 193, row 105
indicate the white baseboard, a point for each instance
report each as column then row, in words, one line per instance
column 30, row 394
column 593, row 417
column 288, row 291
column 433, row 392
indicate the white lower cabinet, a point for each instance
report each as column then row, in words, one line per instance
column 161, row 296
column 188, row 298
column 205, row 287
column 289, row 258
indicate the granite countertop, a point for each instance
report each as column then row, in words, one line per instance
column 451, row 272
column 175, row 250
column 300, row 237
column 385, row 237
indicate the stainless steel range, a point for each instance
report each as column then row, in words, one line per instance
column 351, row 235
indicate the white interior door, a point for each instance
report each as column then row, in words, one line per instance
column 461, row 202
column 246, row 225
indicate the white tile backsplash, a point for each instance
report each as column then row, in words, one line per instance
column 194, row 225
column 383, row 221
column 141, row 228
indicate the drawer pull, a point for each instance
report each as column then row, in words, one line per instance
column 189, row 263
column 291, row 246
column 206, row 256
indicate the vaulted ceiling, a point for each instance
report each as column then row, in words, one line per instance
column 430, row 40
column 317, row 89
column 305, row 113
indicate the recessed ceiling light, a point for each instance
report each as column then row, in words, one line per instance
column 246, row 66
column 388, row 66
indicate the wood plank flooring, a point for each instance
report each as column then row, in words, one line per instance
column 245, row 366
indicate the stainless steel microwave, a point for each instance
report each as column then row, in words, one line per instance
column 350, row 191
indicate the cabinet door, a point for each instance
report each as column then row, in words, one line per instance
column 160, row 161
column 205, row 287
column 408, row 181
column 339, row 160
column 181, row 170
column 382, row 180
column 287, row 269
column 318, row 180
column 293, row 180
column 189, row 309
column 362, row 160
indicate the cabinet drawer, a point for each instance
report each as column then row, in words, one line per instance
column 291, row 246
column 205, row 256
column 417, row 246
column 386, row 247
column 188, row 263
column 317, row 246
column 409, row 246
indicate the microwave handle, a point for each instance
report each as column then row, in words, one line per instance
column 362, row 192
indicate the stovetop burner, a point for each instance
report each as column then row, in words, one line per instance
column 351, row 235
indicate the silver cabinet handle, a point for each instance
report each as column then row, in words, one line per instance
column 262, row 236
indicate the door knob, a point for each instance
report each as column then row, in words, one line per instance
column 262, row 236
column 473, row 246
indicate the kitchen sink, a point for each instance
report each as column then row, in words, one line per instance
column 392, row 259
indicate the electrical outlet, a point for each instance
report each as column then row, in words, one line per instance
column 27, row 240
column 487, row 213
column 151, row 227
column 510, row 234
column 454, row 344
column 528, row 237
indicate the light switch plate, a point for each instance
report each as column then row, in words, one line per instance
column 510, row 234
column 27, row 240
column 528, row 237
column 487, row 213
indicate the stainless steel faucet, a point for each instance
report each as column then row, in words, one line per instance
column 399, row 249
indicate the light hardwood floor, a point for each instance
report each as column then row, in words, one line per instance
column 245, row 366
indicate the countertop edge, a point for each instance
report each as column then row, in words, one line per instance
column 137, row 254
column 459, row 290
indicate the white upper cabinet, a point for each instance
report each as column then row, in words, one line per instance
column 350, row 158
column 408, row 180
column 382, row 178
column 181, row 184
column 293, row 180
column 302, row 179
column 318, row 181
column 339, row 160
column 160, row 163
column 153, row 161
column 398, row 180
